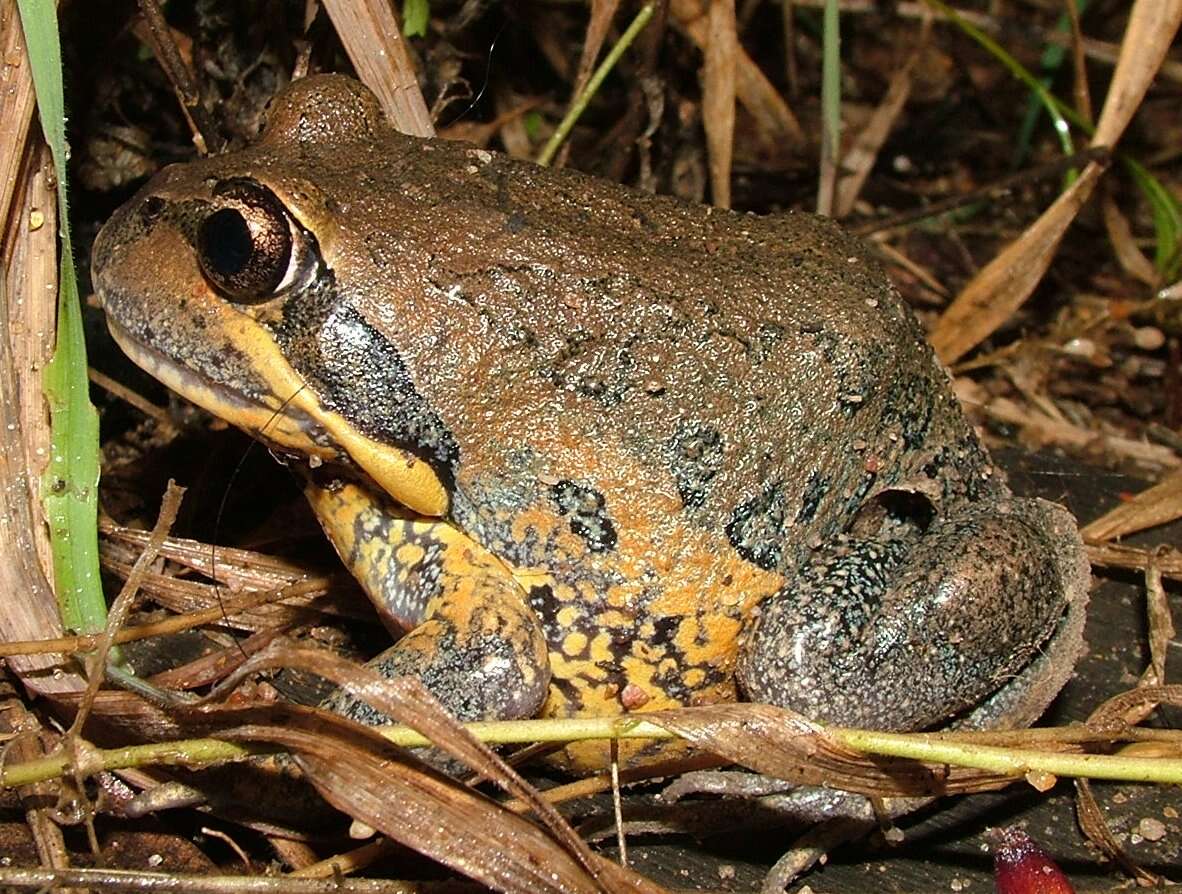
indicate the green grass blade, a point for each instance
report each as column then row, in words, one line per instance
column 1050, row 63
column 1167, row 216
column 830, row 101
column 583, row 100
column 1059, row 111
column 415, row 14
column 1167, row 220
column 70, row 485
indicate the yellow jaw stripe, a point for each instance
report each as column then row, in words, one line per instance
column 401, row 474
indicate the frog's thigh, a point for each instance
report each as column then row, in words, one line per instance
column 906, row 634
column 474, row 640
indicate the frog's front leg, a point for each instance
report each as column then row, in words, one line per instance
column 474, row 641
column 984, row 607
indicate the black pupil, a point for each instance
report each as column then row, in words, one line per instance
column 226, row 242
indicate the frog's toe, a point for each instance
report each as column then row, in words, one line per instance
column 985, row 606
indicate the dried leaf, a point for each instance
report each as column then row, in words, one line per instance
column 481, row 843
column 1147, row 38
column 371, row 36
column 1158, row 505
column 1161, row 627
column 1004, row 284
column 1041, row 428
column 860, row 157
column 1095, row 827
column 1121, row 710
column 1114, row 555
column 1120, row 234
column 602, row 13
column 360, row 774
column 753, row 89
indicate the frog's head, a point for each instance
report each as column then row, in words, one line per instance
column 219, row 278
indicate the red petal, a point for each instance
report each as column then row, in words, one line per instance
column 1022, row 867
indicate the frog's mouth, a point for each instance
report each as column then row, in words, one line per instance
column 296, row 423
column 271, row 419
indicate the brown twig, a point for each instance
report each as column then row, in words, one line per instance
column 206, row 137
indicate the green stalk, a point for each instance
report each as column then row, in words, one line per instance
column 580, row 104
column 69, row 487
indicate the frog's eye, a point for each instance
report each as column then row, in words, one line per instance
column 245, row 247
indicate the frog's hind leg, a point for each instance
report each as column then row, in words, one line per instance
column 474, row 640
column 983, row 608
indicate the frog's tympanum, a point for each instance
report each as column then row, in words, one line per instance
column 598, row 451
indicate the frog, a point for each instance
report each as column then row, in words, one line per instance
column 592, row 451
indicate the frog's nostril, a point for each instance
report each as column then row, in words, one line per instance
column 151, row 208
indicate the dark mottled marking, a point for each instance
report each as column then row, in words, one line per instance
column 756, row 527
column 588, row 515
column 542, row 600
column 516, row 222
column 607, row 387
column 671, row 681
column 958, row 467
column 909, row 403
column 356, row 372
column 696, row 457
column 767, row 338
column 854, row 502
column 814, row 491
column 849, row 364
column 664, row 630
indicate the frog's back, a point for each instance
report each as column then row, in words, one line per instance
column 755, row 378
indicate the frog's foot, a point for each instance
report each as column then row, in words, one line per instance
column 983, row 609
column 474, row 641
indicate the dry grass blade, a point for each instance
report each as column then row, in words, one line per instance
column 1120, row 234
column 16, row 105
column 29, row 743
column 1147, row 39
column 238, row 569
column 718, row 96
column 161, row 39
column 96, row 662
column 992, row 296
column 371, row 36
column 1039, row 428
column 107, row 880
column 1158, row 505
column 263, row 590
column 1095, row 827
column 1167, row 559
column 1125, row 708
column 752, row 88
column 602, row 13
column 1161, row 627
